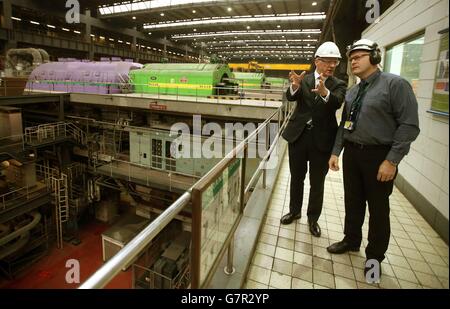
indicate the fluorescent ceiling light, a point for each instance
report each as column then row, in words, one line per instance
column 260, row 46
column 235, row 19
column 244, row 33
column 51, row 26
column 76, row 31
column 258, row 41
column 145, row 5
column 16, row 18
column 34, row 22
column 65, row 29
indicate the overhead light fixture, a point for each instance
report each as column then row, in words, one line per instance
column 278, row 26
column 102, row 37
column 134, row 17
column 194, row 11
column 16, row 18
column 92, row 35
column 314, row 3
column 248, row 27
column 65, row 29
column 162, row 14
column 237, row 19
column 245, row 33
column 134, row 6
column 51, row 26
column 149, row 33
column 76, row 31
column 34, row 22
column 128, row 43
column 229, row 9
column 112, row 40
column 269, row 6
column 195, row 29
column 119, row 41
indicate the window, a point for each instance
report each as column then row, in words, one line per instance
column 404, row 59
column 156, row 153
column 439, row 103
column 170, row 161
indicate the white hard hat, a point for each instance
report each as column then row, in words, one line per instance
column 329, row 50
column 363, row 44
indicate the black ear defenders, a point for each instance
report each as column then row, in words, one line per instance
column 375, row 52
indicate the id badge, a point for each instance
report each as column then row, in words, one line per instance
column 348, row 125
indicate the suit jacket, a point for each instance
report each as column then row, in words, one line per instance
column 323, row 114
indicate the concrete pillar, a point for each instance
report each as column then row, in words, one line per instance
column 6, row 22
column 165, row 47
column 134, row 42
column 7, row 13
column 87, row 36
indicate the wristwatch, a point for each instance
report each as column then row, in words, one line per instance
column 393, row 163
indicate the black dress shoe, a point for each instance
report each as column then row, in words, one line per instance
column 288, row 218
column 314, row 228
column 341, row 247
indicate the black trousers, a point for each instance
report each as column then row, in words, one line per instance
column 302, row 151
column 360, row 168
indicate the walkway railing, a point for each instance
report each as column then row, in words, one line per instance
column 196, row 93
column 223, row 186
column 52, row 131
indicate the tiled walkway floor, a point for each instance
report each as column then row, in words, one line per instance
column 289, row 257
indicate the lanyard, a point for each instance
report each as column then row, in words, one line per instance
column 357, row 103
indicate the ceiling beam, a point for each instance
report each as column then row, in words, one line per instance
column 105, row 25
column 187, row 6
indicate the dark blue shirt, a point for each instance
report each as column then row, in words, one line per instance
column 388, row 116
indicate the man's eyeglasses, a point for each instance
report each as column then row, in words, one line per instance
column 330, row 62
column 357, row 57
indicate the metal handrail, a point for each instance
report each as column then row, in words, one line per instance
column 4, row 198
column 135, row 246
column 128, row 253
column 113, row 85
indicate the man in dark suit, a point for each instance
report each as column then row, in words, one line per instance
column 311, row 132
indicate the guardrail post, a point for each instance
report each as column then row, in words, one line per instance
column 242, row 189
column 229, row 269
column 267, row 148
column 196, row 238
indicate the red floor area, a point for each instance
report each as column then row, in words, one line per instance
column 50, row 271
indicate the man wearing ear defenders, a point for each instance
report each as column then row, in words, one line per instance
column 379, row 122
